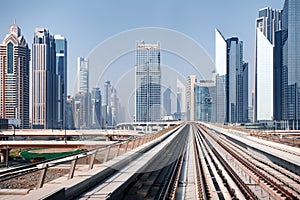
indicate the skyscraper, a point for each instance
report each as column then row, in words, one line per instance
column 167, row 102
column 267, row 23
column 243, row 92
column 70, row 113
column 82, row 97
column 205, row 101
column 14, row 77
column 96, row 104
column 61, row 72
column 147, row 82
column 221, row 75
column 290, row 63
column 106, row 104
column 115, row 107
column 44, row 84
column 190, row 97
column 237, row 74
column 181, row 97
column 82, row 75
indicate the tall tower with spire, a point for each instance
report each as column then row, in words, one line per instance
column 14, row 78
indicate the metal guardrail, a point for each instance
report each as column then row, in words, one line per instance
column 87, row 158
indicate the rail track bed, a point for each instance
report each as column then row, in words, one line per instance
column 192, row 161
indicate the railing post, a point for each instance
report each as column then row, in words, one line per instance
column 92, row 161
column 42, row 176
column 117, row 153
column 72, row 169
column 126, row 146
column 107, row 154
column 133, row 144
column 143, row 140
column 139, row 142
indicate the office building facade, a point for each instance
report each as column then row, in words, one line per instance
column 205, row 97
column 167, row 102
column 70, row 113
column 190, row 97
column 106, row 104
column 147, row 82
column 96, row 103
column 44, row 81
column 290, row 64
column 61, row 72
column 181, row 100
column 267, row 23
column 14, row 78
column 221, row 77
column 237, row 74
column 82, row 97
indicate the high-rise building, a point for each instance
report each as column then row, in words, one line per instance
column 115, row 107
column 79, row 110
column 205, row 96
column 181, row 103
column 14, row 78
column 96, row 104
column 221, row 75
column 107, row 93
column 147, row 82
column 242, row 112
column 190, row 97
column 70, row 113
column 267, row 23
column 106, row 104
column 61, row 72
column 290, row 63
column 44, row 80
column 82, row 97
column 82, row 75
column 167, row 102
column 237, row 74
column 278, row 78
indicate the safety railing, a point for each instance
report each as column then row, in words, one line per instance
column 37, row 176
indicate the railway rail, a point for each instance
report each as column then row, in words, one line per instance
column 277, row 182
column 189, row 162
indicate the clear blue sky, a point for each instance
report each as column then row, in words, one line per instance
column 87, row 23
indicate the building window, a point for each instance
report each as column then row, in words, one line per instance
column 10, row 58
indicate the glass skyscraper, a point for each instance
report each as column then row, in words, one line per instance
column 82, row 98
column 291, row 63
column 147, row 82
column 221, row 75
column 205, row 95
column 83, row 75
column 96, row 103
column 44, row 84
column 61, row 72
column 167, row 102
column 181, row 100
column 267, row 23
column 14, row 78
column 237, row 88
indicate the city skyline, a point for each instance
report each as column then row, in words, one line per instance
column 237, row 69
column 189, row 23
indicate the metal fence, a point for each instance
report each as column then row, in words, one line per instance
column 35, row 177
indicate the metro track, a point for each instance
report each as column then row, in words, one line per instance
column 279, row 183
column 191, row 162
